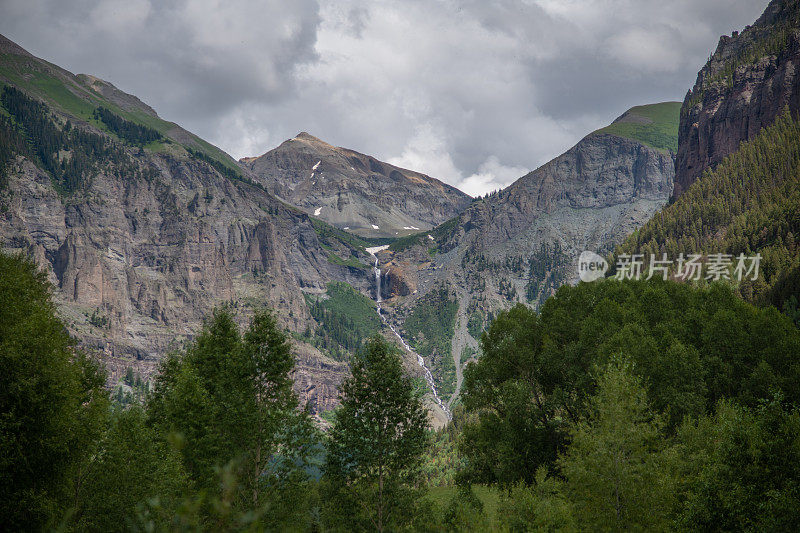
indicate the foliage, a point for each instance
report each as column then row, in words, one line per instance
column 125, row 129
column 12, row 142
column 228, row 399
column 71, row 155
column 546, row 272
column 404, row 243
column 540, row 506
column 222, row 168
column 134, row 466
column 655, row 125
column 346, row 319
column 617, row 465
column 439, row 234
column 475, row 324
column 742, row 469
column 465, row 512
column 330, row 236
column 442, row 460
column 691, row 347
column 351, row 262
column 52, row 405
column 430, row 326
column 467, row 353
column 375, row 446
column 750, row 203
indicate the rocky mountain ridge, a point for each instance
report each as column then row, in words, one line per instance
column 141, row 239
column 353, row 191
column 520, row 244
column 737, row 187
column 750, row 78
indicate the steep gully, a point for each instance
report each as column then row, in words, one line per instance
column 420, row 361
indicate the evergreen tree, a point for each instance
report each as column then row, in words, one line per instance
column 742, row 469
column 617, row 466
column 376, row 444
column 132, row 468
column 228, row 400
column 52, row 403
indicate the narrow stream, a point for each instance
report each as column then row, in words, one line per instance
column 420, row 361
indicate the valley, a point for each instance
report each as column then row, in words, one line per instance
column 318, row 339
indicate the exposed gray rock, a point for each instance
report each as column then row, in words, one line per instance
column 355, row 191
column 520, row 244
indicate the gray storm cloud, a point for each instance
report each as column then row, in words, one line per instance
column 475, row 93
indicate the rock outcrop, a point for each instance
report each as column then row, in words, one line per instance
column 155, row 238
column 354, row 191
column 751, row 77
column 521, row 244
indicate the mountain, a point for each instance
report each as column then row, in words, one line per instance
column 522, row 243
column 738, row 170
column 743, row 88
column 143, row 228
column 353, row 191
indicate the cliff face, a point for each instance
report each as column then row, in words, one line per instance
column 600, row 172
column 157, row 236
column 748, row 81
column 354, row 191
column 521, row 244
column 137, row 264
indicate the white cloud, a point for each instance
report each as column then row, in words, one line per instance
column 491, row 175
column 426, row 152
column 470, row 92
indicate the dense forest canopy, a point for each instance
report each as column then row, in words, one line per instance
column 695, row 389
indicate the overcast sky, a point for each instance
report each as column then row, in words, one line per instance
column 475, row 92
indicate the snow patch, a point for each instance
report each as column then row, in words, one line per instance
column 430, row 237
column 315, row 166
column 317, row 211
column 375, row 227
column 375, row 249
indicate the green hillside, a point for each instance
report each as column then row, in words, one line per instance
column 68, row 94
column 749, row 203
column 346, row 319
column 655, row 125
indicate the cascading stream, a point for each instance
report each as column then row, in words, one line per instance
column 420, row 361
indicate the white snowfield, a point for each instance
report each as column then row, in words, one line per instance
column 375, row 227
column 375, row 249
column 431, row 237
column 317, row 211
column 315, row 166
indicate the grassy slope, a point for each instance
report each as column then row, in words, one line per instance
column 65, row 92
column 431, row 326
column 660, row 133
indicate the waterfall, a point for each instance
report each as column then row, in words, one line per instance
column 420, row 361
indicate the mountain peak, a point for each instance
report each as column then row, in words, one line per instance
column 349, row 189
column 305, row 136
column 7, row 46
